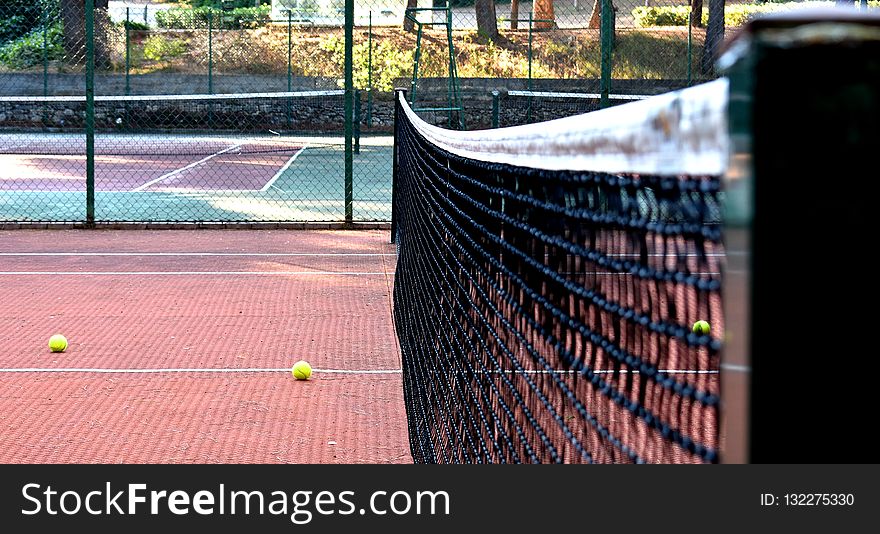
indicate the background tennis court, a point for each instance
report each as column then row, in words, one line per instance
column 192, row 178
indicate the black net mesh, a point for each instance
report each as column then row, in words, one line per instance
column 545, row 316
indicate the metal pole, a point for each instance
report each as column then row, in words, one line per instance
column 90, row 112
column 689, row 48
column 606, row 42
column 450, row 90
column 45, row 52
column 495, row 108
column 357, row 121
column 289, row 64
column 370, row 72
column 530, row 52
column 398, row 93
column 127, row 55
column 349, row 110
column 529, row 83
column 412, row 97
column 210, row 52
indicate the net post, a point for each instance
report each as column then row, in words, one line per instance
column 398, row 94
column 495, row 108
column 785, row 134
column 349, row 110
column 90, row 112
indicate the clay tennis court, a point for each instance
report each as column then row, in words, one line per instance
column 181, row 344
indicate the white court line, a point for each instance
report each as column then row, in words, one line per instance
column 287, row 370
column 187, row 370
column 283, row 169
column 180, row 170
column 172, row 254
column 190, row 273
column 736, row 368
column 670, row 255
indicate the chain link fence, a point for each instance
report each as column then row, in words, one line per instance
column 236, row 110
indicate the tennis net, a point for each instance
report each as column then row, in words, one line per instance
column 547, row 279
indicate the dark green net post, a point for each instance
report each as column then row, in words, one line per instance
column 799, row 188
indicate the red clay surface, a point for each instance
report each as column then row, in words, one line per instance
column 245, row 318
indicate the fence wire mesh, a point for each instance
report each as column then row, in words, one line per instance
column 195, row 91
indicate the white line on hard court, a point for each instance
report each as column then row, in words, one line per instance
column 286, row 166
column 180, row 170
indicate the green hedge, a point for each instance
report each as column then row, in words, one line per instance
column 20, row 17
column 246, row 17
column 27, row 51
column 217, row 4
column 734, row 15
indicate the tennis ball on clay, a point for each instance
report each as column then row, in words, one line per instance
column 701, row 328
column 301, row 370
column 57, row 343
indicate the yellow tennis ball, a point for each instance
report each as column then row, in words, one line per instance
column 701, row 328
column 57, row 343
column 301, row 370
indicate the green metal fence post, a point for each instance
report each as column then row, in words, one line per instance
column 45, row 64
column 606, row 39
column 210, row 52
column 127, row 54
column 530, row 52
column 45, row 51
column 370, row 72
column 349, row 109
column 90, row 112
column 495, row 108
column 357, row 121
column 289, row 62
column 689, row 49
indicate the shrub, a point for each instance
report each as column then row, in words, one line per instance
column 158, row 48
column 199, row 17
column 734, row 15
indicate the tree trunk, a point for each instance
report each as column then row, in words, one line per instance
column 714, row 35
column 409, row 25
column 74, row 20
column 73, row 15
column 697, row 13
column 487, row 22
column 596, row 15
column 543, row 10
column 514, row 14
column 103, row 26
